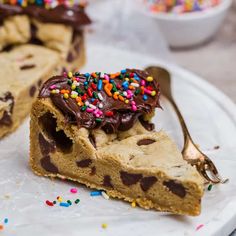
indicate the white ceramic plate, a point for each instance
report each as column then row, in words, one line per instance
column 211, row 117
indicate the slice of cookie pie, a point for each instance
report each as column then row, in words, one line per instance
column 95, row 129
column 22, row 72
column 58, row 25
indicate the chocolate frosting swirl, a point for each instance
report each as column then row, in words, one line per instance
column 116, row 114
column 74, row 16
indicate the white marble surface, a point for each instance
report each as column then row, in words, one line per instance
column 25, row 205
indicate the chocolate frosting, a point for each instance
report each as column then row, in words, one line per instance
column 123, row 116
column 74, row 16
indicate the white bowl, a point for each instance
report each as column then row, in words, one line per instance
column 189, row 29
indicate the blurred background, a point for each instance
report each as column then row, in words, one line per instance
column 200, row 38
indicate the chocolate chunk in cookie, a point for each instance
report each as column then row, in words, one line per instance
column 48, row 165
column 129, row 179
column 147, row 182
column 84, row 163
column 176, row 188
column 145, row 142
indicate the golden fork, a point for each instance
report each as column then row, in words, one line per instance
column 191, row 153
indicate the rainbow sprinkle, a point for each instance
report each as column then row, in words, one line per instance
column 209, row 187
column 5, row 221
column 61, row 202
column 179, row 6
column 199, row 227
column 73, row 190
column 133, row 204
column 104, row 226
column 48, row 4
column 105, row 195
column 88, row 90
column 95, row 193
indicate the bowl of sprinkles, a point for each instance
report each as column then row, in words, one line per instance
column 186, row 23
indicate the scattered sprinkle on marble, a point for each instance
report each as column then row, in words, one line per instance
column 209, row 187
column 63, row 202
column 105, row 195
column 95, row 193
column 199, row 227
column 104, row 226
column 133, row 204
column 5, row 221
column 73, row 190
column 49, row 203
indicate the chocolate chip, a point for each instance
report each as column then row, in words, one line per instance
column 70, row 57
column 92, row 140
column 32, row 91
column 84, row 163
column 63, row 70
column 129, row 179
column 48, row 165
column 33, row 31
column 45, row 146
column 7, row 48
column 176, row 188
column 28, row 56
column 107, row 181
column 27, row 67
column 147, row 182
column 93, row 170
column 48, row 124
column 77, row 47
column 6, row 118
column 145, row 142
column 40, row 83
column 8, row 96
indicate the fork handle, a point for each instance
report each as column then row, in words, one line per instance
column 187, row 136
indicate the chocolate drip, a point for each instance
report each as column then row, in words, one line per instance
column 123, row 117
column 73, row 16
column 148, row 126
